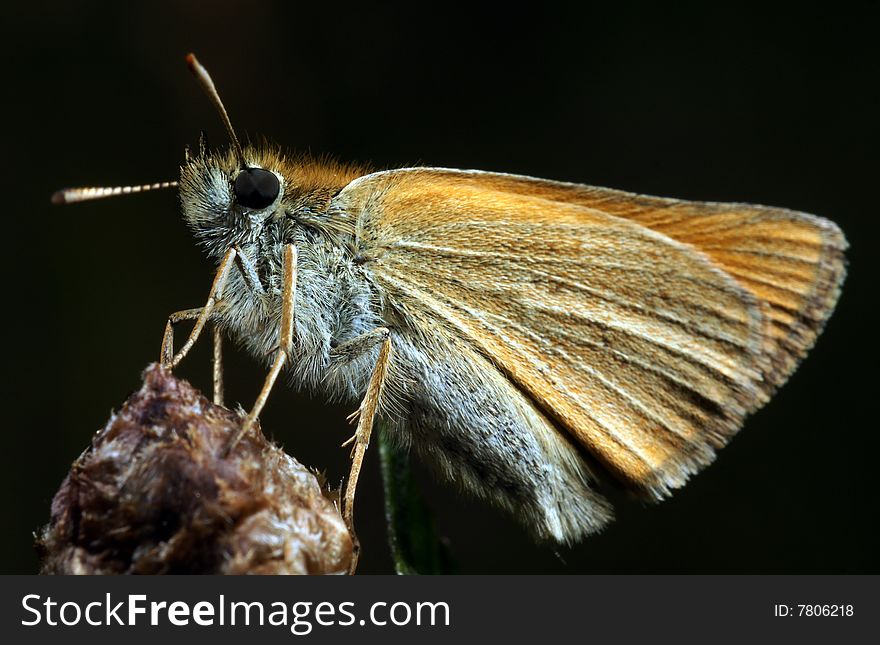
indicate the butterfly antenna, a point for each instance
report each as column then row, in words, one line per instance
column 72, row 195
column 207, row 84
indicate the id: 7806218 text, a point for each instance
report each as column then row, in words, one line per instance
column 811, row 610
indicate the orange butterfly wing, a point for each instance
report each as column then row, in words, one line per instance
column 600, row 306
column 792, row 262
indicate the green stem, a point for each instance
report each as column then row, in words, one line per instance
column 412, row 534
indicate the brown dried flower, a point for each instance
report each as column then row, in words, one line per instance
column 154, row 494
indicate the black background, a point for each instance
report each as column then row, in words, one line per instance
column 776, row 105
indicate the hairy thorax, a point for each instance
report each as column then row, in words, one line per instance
column 333, row 303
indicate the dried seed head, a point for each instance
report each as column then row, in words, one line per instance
column 153, row 495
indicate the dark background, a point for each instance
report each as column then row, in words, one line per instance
column 773, row 106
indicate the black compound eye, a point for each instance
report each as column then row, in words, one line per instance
column 256, row 188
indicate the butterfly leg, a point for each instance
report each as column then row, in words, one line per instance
column 288, row 291
column 167, row 351
column 252, row 279
column 366, row 415
column 168, row 357
column 171, row 360
column 218, row 366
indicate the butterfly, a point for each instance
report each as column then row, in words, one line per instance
column 526, row 337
